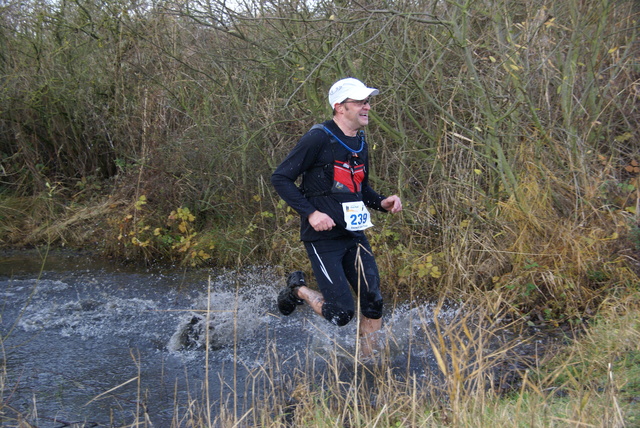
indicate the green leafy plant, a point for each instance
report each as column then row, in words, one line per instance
column 175, row 239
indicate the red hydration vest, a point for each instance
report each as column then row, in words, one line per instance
column 348, row 174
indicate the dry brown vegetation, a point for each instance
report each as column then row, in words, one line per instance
column 149, row 130
column 510, row 129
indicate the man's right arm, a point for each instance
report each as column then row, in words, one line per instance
column 283, row 179
column 290, row 193
column 321, row 221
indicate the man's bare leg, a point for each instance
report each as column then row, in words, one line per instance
column 312, row 297
column 368, row 326
column 368, row 335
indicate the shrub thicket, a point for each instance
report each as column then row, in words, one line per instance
column 509, row 128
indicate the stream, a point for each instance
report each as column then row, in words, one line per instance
column 89, row 342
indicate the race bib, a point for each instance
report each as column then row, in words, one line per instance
column 356, row 216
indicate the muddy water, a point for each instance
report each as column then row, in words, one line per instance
column 92, row 343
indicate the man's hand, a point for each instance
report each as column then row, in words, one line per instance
column 392, row 204
column 320, row 221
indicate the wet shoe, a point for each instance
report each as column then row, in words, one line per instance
column 287, row 300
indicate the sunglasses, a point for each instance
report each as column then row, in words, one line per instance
column 358, row 102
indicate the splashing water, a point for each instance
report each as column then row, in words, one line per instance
column 88, row 341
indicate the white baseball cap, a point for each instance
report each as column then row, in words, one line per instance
column 349, row 88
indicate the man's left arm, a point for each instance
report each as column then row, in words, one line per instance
column 373, row 199
column 392, row 204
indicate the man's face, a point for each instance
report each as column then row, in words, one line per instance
column 356, row 112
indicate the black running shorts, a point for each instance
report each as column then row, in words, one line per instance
column 336, row 265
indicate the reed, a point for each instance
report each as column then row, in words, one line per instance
column 509, row 129
column 583, row 384
column 193, row 107
column 479, row 378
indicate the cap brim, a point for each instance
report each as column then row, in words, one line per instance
column 364, row 93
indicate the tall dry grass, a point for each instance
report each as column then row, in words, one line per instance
column 588, row 381
column 509, row 129
column 488, row 369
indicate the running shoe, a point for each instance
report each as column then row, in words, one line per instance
column 287, row 299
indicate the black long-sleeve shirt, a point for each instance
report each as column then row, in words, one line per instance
column 313, row 151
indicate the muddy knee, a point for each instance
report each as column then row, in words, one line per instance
column 337, row 315
column 373, row 308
